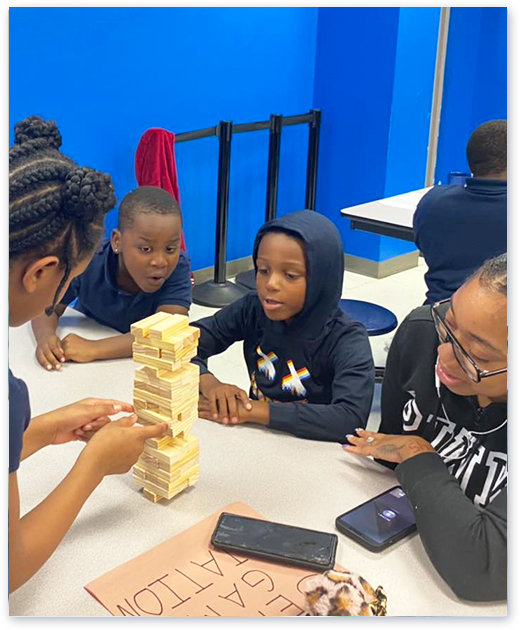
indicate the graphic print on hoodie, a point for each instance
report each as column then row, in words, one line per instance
column 322, row 357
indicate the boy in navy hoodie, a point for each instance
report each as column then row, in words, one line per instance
column 310, row 364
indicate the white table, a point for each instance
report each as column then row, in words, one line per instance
column 392, row 216
column 284, row 478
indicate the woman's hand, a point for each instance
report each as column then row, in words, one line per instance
column 391, row 448
column 81, row 420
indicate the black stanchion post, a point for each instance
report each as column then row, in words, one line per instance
column 312, row 159
column 219, row 292
column 247, row 278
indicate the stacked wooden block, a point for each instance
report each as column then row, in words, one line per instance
column 166, row 390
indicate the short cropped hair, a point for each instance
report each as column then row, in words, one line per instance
column 493, row 274
column 487, row 149
column 146, row 200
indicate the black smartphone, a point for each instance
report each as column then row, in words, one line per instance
column 379, row 522
column 275, row 542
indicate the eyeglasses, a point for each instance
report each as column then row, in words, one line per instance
column 464, row 360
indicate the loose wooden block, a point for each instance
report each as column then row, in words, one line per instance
column 174, row 428
column 142, row 327
column 148, row 373
column 167, row 327
column 151, row 496
column 158, row 443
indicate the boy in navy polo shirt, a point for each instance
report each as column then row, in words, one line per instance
column 139, row 271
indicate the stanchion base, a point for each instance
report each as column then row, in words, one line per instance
column 217, row 294
column 247, row 279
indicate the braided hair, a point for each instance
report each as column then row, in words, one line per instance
column 56, row 208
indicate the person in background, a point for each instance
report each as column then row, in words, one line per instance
column 56, row 217
column 310, row 364
column 444, row 425
column 457, row 228
column 139, row 271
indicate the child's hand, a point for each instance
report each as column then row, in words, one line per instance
column 81, row 420
column 116, row 447
column 221, row 402
column 78, row 348
column 49, row 353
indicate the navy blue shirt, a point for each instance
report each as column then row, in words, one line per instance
column 457, row 228
column 101, row 299
column 19, row 418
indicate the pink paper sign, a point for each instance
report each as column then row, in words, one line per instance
column 186, row 577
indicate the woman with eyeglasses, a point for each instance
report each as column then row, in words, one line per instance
column 444, row 429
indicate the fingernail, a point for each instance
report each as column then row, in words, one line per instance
column 87, row 427
column 347, row 447
column 249, row 406
column 62, row 359
column 349, row 435
column 117, row 407
column 215, row 415
column 49, row 367
column 359, row 429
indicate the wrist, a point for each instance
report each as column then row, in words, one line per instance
column 259, row 413
column 88, row 465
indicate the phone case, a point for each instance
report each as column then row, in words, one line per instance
column 274, row 557
column 367, row 542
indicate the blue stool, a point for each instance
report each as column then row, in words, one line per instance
column 376, row 319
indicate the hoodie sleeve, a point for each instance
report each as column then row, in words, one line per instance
column 352, row 389
column 466, row 544
column 221, row 330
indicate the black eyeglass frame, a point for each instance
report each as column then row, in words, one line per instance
column 453, row 340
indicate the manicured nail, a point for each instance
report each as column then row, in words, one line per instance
column 359, row 429
column 117, row 407
column 349, row 435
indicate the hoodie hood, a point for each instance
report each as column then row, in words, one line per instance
column 325, row 266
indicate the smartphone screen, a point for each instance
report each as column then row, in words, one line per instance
column 275, row 541
column 380, row 521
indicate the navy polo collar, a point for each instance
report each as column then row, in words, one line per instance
column 486, row 186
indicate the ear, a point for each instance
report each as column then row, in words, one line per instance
column 115, row 241
column 40, row 272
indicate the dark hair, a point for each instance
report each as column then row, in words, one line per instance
column 55, row 206
column 146, row 200
column 493, row 274
column 487, row 148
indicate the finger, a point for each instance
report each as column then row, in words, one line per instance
column 231, row 401
column 56, row 356
column 365, row 434
column 107, row 408
column 51, row 359
column 355, row 440
column 367, row 451
column 154, row 430
column 95, row 425
column 126, row 421
column 60, row 351
column 245, row 400
column 123, row 406
column 213, row 405
column 42, row 360
column 222, row 406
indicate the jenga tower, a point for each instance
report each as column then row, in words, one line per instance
column 166, row 389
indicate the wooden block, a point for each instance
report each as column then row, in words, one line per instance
column 149, row 351
column 184, row 355
column 170, row 404
column 148, row 373
column 142, row 327
column 158, row 443
column 151, row 496
column 161, row 364
column 167, row 327
column 185, row 337
column 174, row 428
column 169, row 459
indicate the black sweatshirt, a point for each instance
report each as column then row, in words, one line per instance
column 320, row 366
column 460, row 504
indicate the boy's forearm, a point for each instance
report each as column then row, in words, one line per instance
column 43, row 528
column 117, row 347
column 43, row 326
column 259, row 414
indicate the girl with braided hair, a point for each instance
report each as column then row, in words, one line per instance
column 56, row 217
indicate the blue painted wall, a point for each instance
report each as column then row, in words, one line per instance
column 108, row 74
column 475, row 82
column 354, row 78
column 374, row 79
